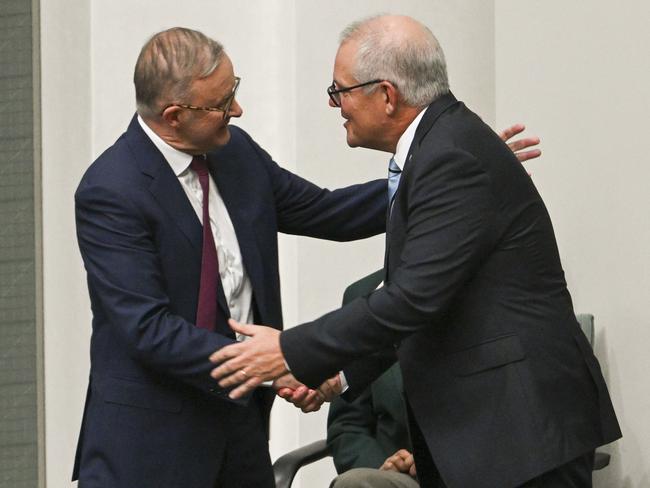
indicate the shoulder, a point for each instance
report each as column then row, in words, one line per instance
column 115, row 170
column 241, row 146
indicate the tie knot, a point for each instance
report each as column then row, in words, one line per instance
column 393, row 168
column 199, row 165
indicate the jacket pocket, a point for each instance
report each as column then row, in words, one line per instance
column 141, row 395
column 488, row 355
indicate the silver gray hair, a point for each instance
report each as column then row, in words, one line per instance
column 414, row 64
column 168, row 64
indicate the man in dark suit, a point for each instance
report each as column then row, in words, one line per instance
column 177, row 224
column 502, row 387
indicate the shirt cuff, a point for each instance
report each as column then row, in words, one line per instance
column 344, row 382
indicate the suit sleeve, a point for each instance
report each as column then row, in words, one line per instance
column 450, row 214
column 350, row 213
column 127, row 290
column 351, row 434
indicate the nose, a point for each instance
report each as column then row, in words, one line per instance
column 331, row 102
column 235, row 109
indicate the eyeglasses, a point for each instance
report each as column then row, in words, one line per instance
column 335, row 93
column 225, row 105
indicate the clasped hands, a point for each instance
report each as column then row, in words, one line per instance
column 402, row 462
column 248, row 364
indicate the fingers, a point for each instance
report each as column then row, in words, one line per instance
column 229, row 367
column 225, row 353
column 285, row 393
column 526, row 155
column 244, row 329
column 226, row 372
column 287, row 381
column 511, row 131
column 401, row 461
column 524, row 143
column 331, row 388
column 246, row 365
column 306, row 399
column 409, row 460
column 312, row 401
column 245, row 388
column 299, row 395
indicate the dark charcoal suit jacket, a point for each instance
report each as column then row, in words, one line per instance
column 500, row 379
column 153, row 415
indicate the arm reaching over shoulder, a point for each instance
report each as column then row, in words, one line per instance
column 519, row 145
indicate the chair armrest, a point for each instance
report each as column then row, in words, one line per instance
column 287, row 465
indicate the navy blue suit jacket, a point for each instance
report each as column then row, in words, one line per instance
column 152, row 411
column 501, row 381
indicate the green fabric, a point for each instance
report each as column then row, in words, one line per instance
column 363, row 433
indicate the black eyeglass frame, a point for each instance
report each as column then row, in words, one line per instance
column 334, row 92
column 227, row 103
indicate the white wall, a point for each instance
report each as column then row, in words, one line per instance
column 579, row 75
column 66, row 131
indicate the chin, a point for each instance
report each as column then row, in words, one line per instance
column 351, row 140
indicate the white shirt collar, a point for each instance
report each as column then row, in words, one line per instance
column 404, row 143
column 178, row 160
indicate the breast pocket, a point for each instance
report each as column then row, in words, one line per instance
column 487, row 355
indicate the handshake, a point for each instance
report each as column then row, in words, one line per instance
column 305, row 398
column 248, row 364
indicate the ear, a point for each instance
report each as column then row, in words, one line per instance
column 171, row 115
column 391, row 97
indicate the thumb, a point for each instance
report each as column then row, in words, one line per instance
column 245, row 329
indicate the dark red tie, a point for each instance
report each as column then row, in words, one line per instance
column 206, row 310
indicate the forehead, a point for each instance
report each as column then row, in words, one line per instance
column 344, row 61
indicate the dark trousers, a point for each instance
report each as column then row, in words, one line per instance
column 246, row 461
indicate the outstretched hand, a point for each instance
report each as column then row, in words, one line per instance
column 247, row 364
column 519, row 145
column 301, row 396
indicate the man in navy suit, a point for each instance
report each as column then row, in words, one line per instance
column 153, row 416
column 502, row 387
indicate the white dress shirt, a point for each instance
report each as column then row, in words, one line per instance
column 405, row 141
column 236, row 284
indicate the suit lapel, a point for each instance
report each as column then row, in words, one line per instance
column 431, row 115
column 169, row 194
column 165, row 186
column 434, row 111
column 225, row 168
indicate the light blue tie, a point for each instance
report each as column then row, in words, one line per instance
column 394, row 174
